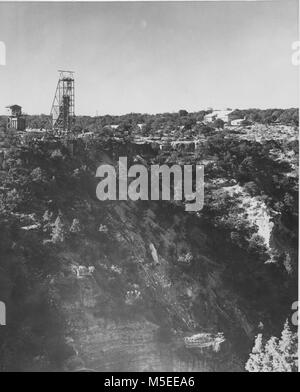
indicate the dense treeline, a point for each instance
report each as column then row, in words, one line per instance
column 269, row 116
column 165, row 121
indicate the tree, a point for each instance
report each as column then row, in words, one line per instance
column 219, row 123
column 276, row 355
column 75, row 227
column 288, row 348
column 203, row 129
column 183, row 113
column 37, row 175
column 189, row 124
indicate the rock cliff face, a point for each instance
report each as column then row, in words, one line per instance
column 109, row 333
column 257, row 213
column 141, row 252
column 160, row 274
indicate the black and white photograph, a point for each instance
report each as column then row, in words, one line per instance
column 149, row 189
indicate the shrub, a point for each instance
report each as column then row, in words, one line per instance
column 276, row 355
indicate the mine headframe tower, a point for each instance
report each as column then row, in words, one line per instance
column 63, row 107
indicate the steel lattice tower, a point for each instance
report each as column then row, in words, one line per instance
column 63, row 107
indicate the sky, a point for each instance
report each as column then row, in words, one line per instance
column 150, row 57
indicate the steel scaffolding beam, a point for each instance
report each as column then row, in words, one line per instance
column 63, row 107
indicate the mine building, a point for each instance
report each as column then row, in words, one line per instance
column 223, row 115
column 16, row 120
